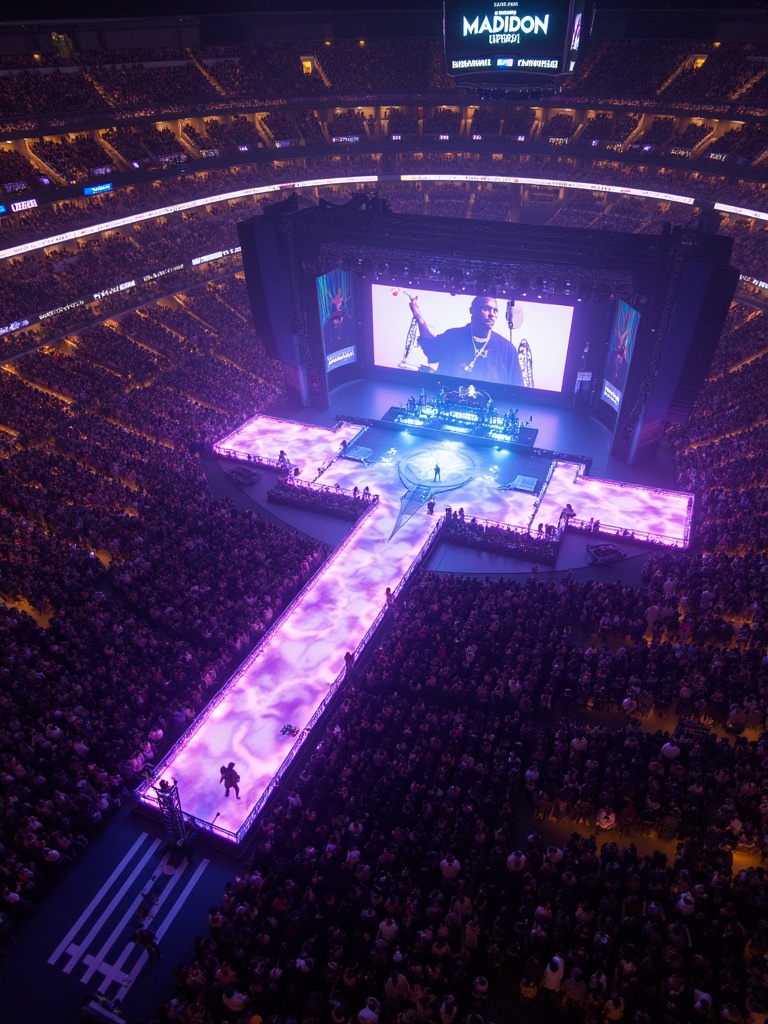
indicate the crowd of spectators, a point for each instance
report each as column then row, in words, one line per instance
column 405, row 876
column 202, row 148
column 579, row 210
column 659, row 133
column 406, row 873
column 411, row 65
column 685, row 142
column 290, row 491
column 448, row 199
column 73, row 160
column 210, row 369
column 113, row 263
column 494, row 203
column 88, row 509
column 500, row 539
column 610, row 131
column 145, row 145
column 251, row 73
column 350, row 124
column 401, row 124
column 726, row 71
column 310, row 127
column 743, row 143
column 755, row 98
column 486, row 122
column 173, row 86
column 596, row 129
column 559, row 129
column 239, row 135
column 122, row 606
column 180, row 83
column 616, row 71
column 743, row 338
column 719, row 450
column 750, row 247
column 44, row 92
column 443, row 123
column 282, row 128
column 518, row 123
column 17, row 174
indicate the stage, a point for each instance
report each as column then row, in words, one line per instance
column 481, row 433
column 466, row 412
column 265, row 713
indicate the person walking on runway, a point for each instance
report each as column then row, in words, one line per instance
column 231, row 779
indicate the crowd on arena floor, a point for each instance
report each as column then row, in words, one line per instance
column 397, row 877
column 123, row 612
column 467, row 531
column 317, row 498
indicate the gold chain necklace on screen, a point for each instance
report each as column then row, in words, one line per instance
column 480, row 346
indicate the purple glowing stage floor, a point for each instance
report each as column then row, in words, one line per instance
column 659, row 515
column 289, row 676
column 309, row 448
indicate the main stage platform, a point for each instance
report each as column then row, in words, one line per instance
column 442, row 428
column 467, row 413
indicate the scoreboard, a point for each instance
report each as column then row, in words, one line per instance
column 490, row 37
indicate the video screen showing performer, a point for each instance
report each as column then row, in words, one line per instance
column 472, row 350
column 336, row 301
column 479, row 338
column 620, row 347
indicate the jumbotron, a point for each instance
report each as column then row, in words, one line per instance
column 507, row 23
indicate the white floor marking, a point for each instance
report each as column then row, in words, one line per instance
column 65, row 942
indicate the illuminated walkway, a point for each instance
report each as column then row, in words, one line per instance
column 290, row 674
column 642, row 510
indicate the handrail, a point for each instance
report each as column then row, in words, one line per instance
column 141, row 791
column 609, row 530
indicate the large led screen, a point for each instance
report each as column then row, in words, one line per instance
column 498, row 36
column 336, row 300
column 476, row 338
column 620, row 347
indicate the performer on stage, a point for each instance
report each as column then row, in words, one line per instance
column 230, row 778
column 567, row 515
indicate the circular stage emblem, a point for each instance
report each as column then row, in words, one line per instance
column 419, row 469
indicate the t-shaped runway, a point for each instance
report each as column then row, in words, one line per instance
column 261, row 717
